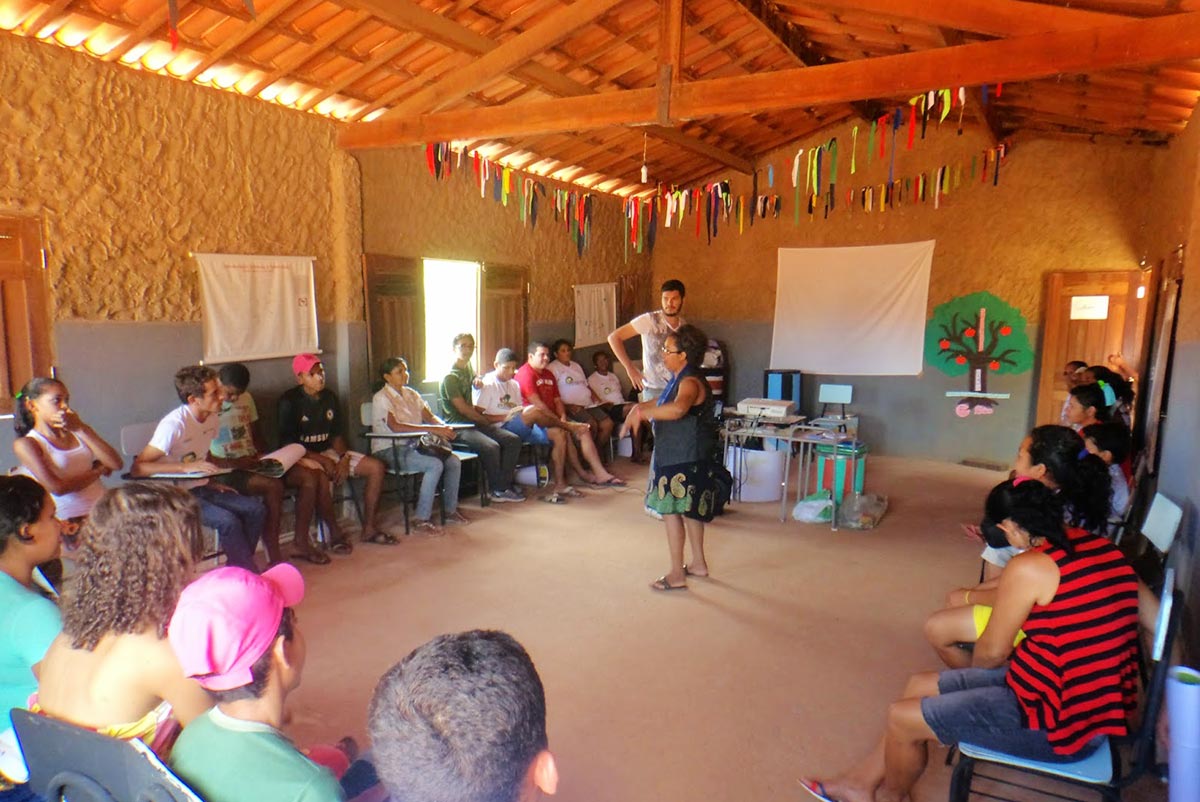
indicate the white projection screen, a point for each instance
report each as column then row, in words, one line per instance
column 257, row 307
column 852, row 311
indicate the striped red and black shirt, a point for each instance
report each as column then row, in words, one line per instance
column 1075, row 674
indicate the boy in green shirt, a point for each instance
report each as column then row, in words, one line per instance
column 235, row 633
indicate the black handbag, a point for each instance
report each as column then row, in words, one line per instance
column 434, row 445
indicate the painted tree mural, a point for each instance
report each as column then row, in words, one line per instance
column 975, row 335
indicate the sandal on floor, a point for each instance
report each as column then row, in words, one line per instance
column 817, row 789
column 662, row 584
column 382, row 538
column 571, row 492
column 553, row 498
column 342, row 547
column 613, row 481
column 426, row 528
column 315, row 557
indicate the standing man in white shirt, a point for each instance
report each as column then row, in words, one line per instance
column 653, row 328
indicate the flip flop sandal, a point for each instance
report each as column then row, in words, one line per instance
column 571, row 492
column 314, row 557
column 614, row 481
column 817, row 789
column 342, row 547
column 427, row 528
column 382, row 538
column 553, row 498
column 662, row 584
column 688, row 572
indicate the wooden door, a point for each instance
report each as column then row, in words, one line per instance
column 25, row 349
column 1075, row 330
column 502, row 314
column 395, row 311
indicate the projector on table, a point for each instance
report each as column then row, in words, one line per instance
column 766, row 408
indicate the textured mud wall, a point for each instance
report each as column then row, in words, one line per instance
column 132, row 171
column 407, row 213
column 1058, row 206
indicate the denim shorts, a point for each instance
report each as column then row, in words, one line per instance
column 529, row 434
column 977, row 706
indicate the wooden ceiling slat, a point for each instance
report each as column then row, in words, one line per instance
column 291, row 64
column 518, row 50
column 383, row 55
column 147, row 28
column 52, row 13
column 243, row 34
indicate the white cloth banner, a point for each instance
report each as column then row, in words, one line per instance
column 852, row 311
column 257, row 307
column 595, row 313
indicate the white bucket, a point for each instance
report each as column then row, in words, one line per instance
column 759, row 474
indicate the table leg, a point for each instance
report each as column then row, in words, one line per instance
column 787, row 466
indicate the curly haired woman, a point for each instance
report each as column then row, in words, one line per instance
column 112, row 669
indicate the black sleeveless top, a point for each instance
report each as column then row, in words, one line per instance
column 693, row 437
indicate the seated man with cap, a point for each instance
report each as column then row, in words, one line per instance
column 235, row 633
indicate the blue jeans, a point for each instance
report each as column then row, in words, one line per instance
column 977, row 706
column 498, row 450
column 432, row 470
column 238, row 520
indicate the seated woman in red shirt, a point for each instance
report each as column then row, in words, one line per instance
column 1071, row 681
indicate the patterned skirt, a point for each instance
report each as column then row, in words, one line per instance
column 691, row 489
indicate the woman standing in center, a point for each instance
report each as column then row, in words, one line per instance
column 684, row 484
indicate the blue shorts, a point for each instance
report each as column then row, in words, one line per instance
column 977, row 706
column 529, row 434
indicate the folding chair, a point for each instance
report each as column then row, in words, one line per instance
column 1103, row 772
column 69, row 762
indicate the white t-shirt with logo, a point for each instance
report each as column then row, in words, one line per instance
column 406, row 406
column 497, row 397
column 572, row 384
column 654, row 328
column 184, row 439
column 607, row 386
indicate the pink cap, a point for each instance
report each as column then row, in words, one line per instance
column 304, row 363
column 227, row 619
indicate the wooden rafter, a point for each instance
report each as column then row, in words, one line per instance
column 52, row 13
column 802, row 49
column 520, row 49
column 243, row 34
column 151, row 25
column 1139, row 42
column 380, row 56
column 991, row 17
column 350, row 21
column 408, row 15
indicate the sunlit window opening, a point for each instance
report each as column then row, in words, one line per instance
column 451, row 307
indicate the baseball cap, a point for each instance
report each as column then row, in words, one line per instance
column 227, row 619
column 304, row 363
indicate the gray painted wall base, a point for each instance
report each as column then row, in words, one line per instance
column 121, row 373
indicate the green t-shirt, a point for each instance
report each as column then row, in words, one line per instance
column 225, row 759
column 28, row 624
column 456, row 384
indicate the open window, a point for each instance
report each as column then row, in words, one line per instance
column 24, row 307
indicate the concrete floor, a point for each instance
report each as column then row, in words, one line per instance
column 779, row 666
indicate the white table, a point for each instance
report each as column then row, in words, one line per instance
column 806, row 436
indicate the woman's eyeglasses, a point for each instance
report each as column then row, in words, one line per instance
column 667, row 350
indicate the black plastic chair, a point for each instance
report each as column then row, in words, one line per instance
column 1103, row 772
column 69, row 762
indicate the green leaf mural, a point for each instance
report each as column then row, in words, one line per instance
column 975, row 335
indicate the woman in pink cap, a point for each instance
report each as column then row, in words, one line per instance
column 112, row 669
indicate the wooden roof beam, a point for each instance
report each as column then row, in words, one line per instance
column 1022, row 58
column 551, row 30
column 990, row 17
column 243, row 34
column 150, row 26
column 408, row 15
column 352, row 20
column 803, row 50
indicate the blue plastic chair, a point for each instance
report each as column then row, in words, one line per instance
column 1103, row 771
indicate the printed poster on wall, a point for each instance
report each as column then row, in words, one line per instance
column 257, row 307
